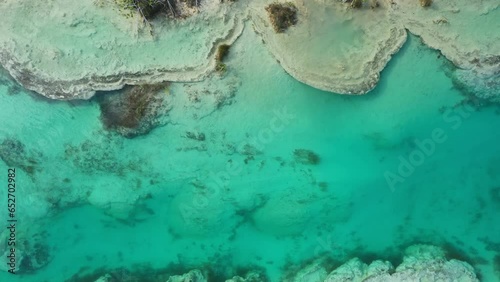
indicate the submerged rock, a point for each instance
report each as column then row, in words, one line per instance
column 31, row 255
column 136, row 110
column 333, row 47
column 315, row 272
column 195, row 275
column 282, row 15
column 252, row 276
column 308, row 157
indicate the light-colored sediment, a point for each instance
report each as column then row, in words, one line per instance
column 343, row 50
column 69, row 49
column 420, row 263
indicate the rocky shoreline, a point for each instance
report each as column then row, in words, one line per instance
column 51, row 70
column 420, row 263
column 348, row 61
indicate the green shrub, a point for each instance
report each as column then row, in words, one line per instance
column 425, row 3
column 282, row 16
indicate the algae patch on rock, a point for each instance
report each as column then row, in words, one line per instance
column 136, row 110
column 334, row 48
column 15, row 154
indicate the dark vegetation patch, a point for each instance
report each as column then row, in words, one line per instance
column 452, row 250
column 134, row 111
column 474, row 94
column 496, row 265
column 323, row 186
column 149, row 9
column 36, row 254
column 307, row 157
column 222, row 52
column 282, row 16
column 15, row 154
column 197, row 136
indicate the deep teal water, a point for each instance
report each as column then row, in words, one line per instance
column 96, row 199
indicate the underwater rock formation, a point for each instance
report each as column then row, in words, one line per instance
column 308, row 157
column 343, row 50
column 420, row 263
column 194, row 275
column 334, row 47
column 250, row 277
column 151, row 9
column 15, row 154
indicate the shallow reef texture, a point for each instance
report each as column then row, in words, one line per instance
column 136, row 111
column 332, row 47
column 420, row 263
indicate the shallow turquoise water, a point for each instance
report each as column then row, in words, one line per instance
column 161, row 199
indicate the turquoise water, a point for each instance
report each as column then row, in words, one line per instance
column 241, row 198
